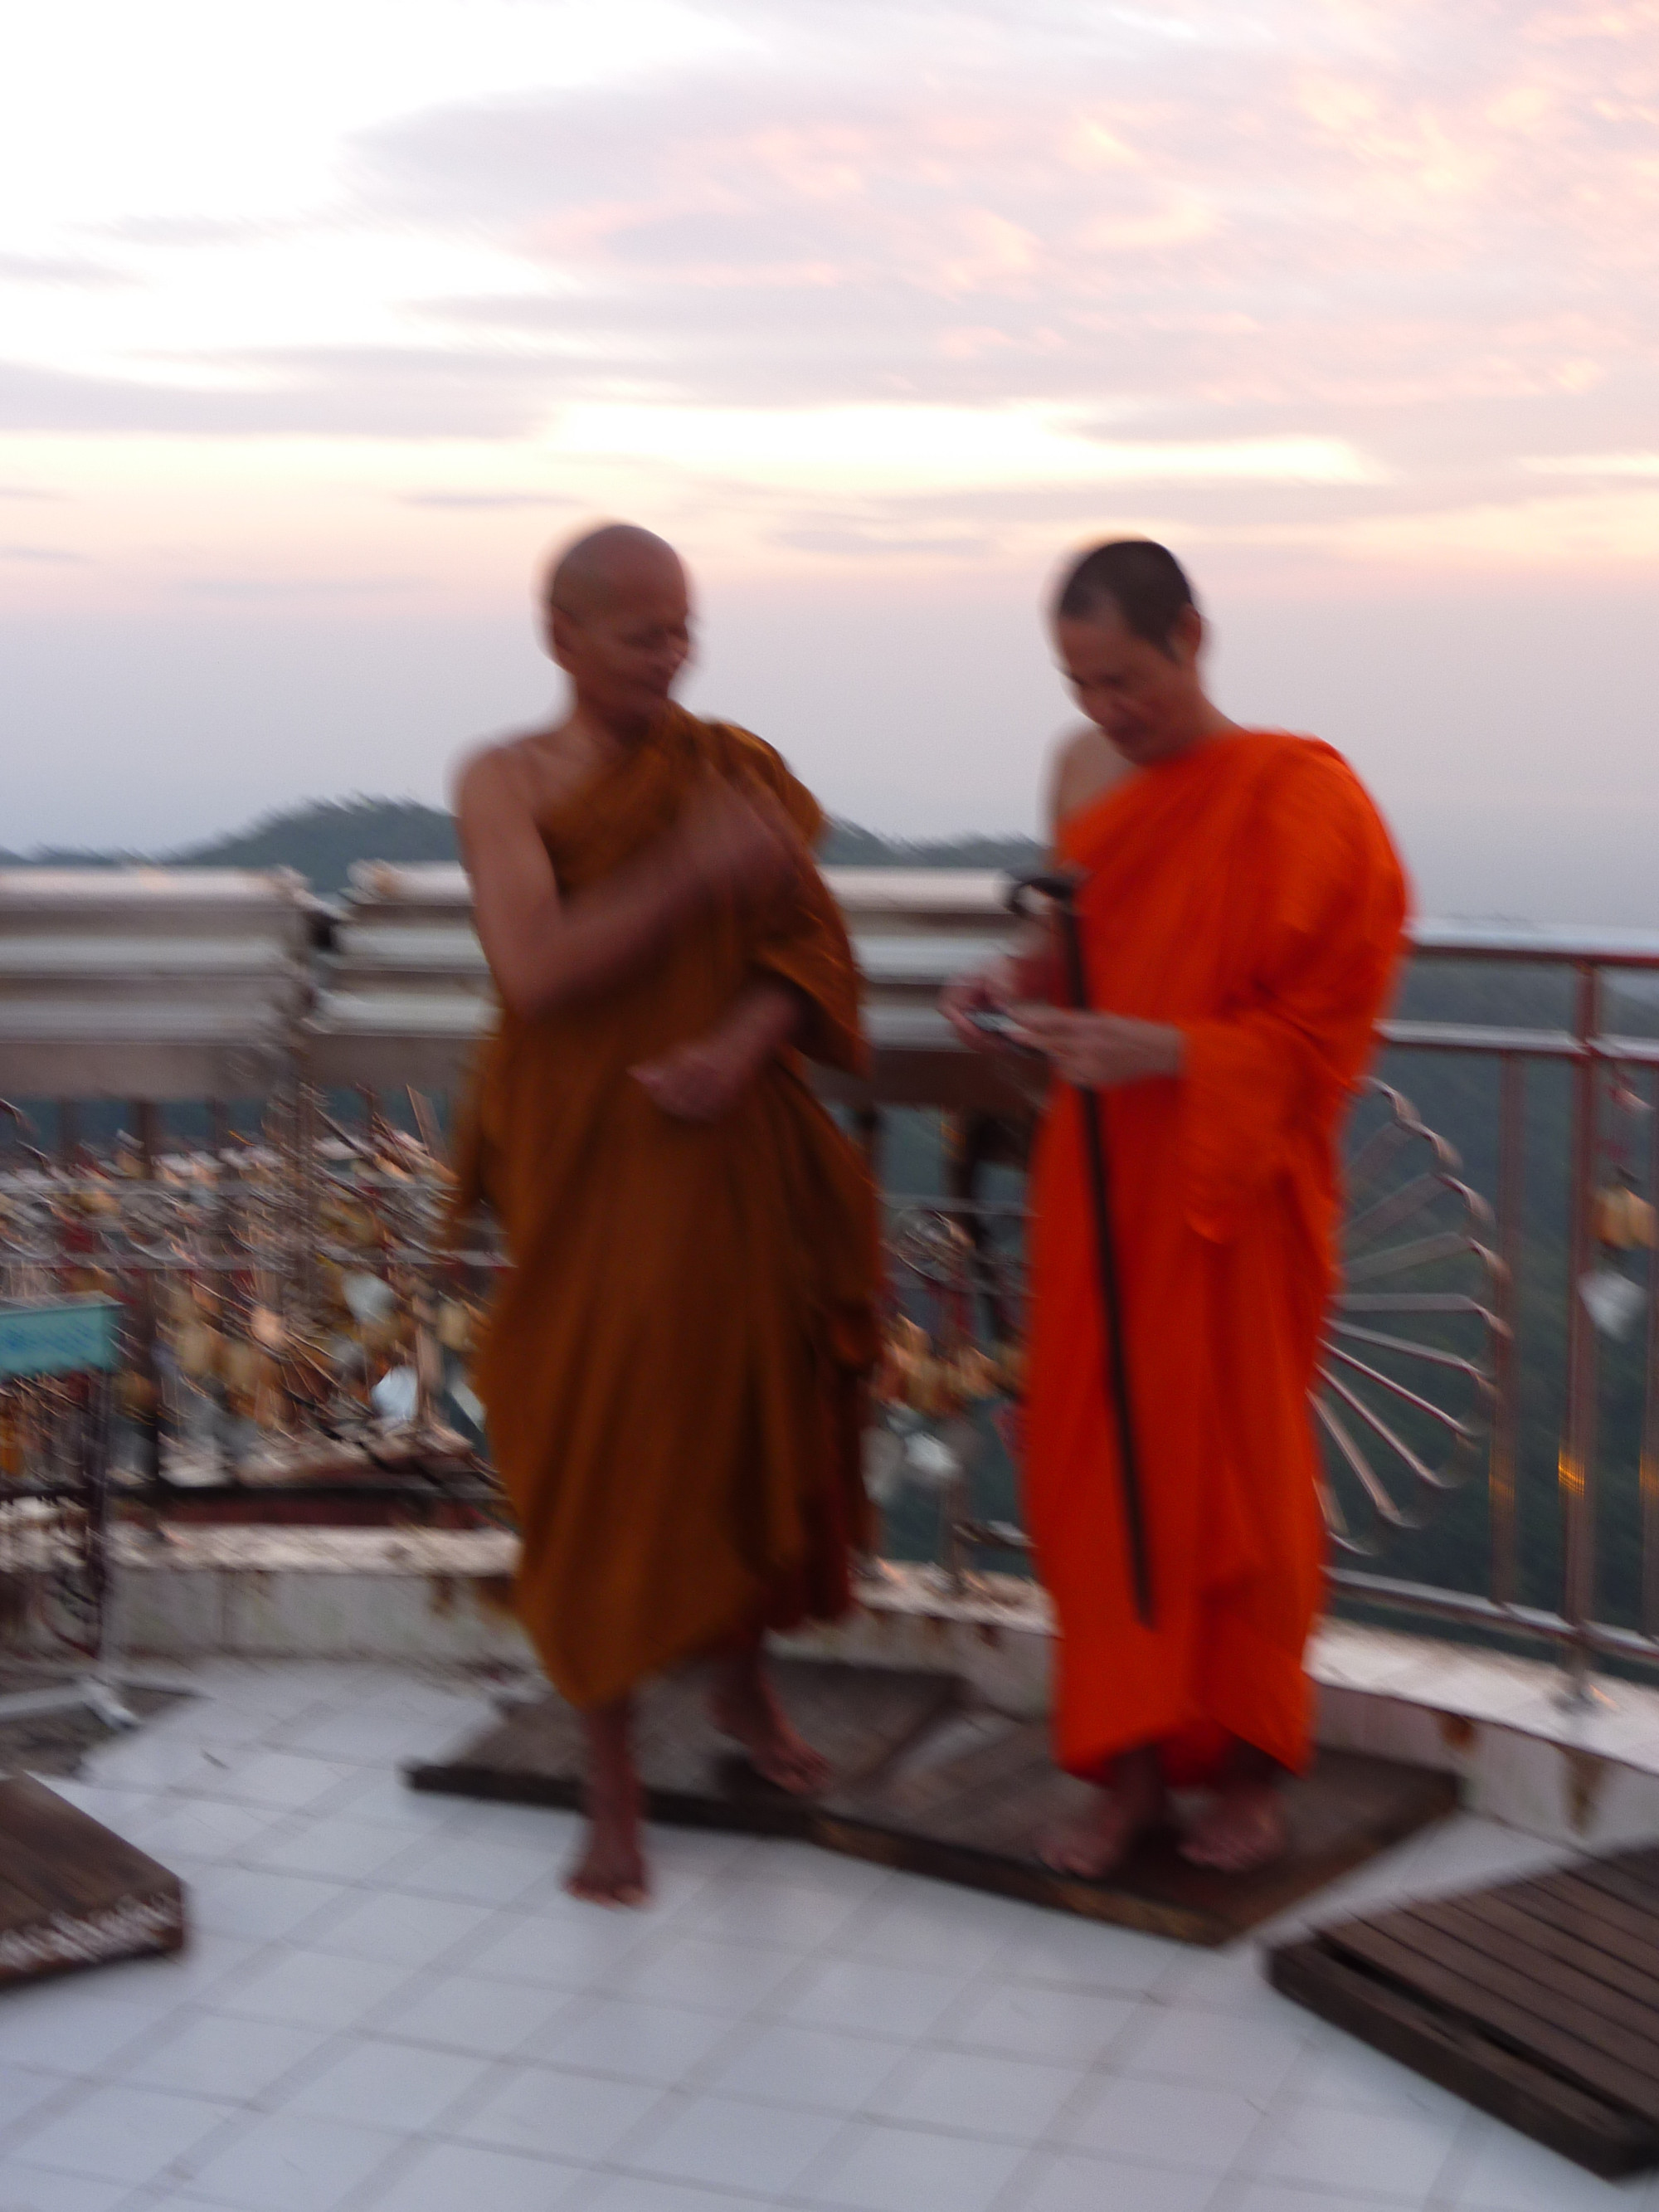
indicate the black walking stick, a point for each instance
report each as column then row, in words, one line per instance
column 1060, row 891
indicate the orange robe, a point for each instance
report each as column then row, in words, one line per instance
column 671, row 1370
column 1248, row 894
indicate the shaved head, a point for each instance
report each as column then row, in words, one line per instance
column 606, row 568
column 1142, row 582
column 1128, row 633
column 617, row 617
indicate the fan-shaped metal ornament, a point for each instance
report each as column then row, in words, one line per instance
column 1405, row 1390
column 1407, row 1383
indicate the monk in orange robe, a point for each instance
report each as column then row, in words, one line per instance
column 672, row 1369
column 1241, row 908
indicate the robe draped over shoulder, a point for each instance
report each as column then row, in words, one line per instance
column 1248, row 894
column 672, row 1367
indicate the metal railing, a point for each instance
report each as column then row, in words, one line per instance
column 1463, row 1291
column 1436, row 1277
column 1603, row 1068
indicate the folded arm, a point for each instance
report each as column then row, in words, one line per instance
column 544, row 949
column 703, row 1079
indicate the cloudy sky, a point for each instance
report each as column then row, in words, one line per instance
column 319, row 325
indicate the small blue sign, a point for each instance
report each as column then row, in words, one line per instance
column 66, row 1337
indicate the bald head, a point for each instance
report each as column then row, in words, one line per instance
column 617, row 613
column 608, row 567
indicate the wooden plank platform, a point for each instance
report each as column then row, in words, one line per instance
column 859, row 1717
column 929, row 1780
column 966, row 1806
column 1537, row 2000
column 73, row 1894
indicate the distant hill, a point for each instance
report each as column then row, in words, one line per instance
column 322, row 838
column 847, row 846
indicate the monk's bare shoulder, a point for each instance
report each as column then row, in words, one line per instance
column 532, row 770
column 1083, row 767
column 488, row 771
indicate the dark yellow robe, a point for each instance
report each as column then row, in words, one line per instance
column 672, row 1368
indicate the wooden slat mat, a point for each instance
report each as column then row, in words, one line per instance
column 928, row 1780
column 858, row 1717
column 1537, row 2000
column 966, row 1804
column 73, row 1894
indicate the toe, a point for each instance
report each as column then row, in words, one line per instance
column 594, row 1889
column 793, row 1775
column 1063, row 1861
column 1081, row 1857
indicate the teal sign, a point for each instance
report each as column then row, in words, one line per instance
column 66, row 1337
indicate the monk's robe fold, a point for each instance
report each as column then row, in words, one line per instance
column 671, row 1369
column 1248, row 894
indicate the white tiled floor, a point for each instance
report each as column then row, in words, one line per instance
column 390, row 2005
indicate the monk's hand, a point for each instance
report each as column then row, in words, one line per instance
column 990, row 992
column 1098, row 1051
column 697, row 1082
column 737, row 842
column 703, row 1079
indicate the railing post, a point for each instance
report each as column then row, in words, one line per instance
column 1577, row 1462
column 220, row 1242
column 149, row 1118
column 1506, row 1422
column 867, row 1129
column 308, row 1133
column 1649, row 1462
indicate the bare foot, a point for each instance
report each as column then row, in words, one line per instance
column 1100, row 1838
column 1241, row 1829
column 743, row 1705
column 611, row 1869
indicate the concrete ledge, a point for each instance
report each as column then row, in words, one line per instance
column 439, row 1597
column 445, row 1597
column 1586, row 1776
column 998, row 1635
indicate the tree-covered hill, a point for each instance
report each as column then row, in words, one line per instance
column 322, row 838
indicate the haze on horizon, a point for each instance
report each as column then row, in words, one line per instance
column 317, row 329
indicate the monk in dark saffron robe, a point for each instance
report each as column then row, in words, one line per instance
column 1241, row 908
column 672, row 1371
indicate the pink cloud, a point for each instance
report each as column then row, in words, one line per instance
column 1373, row 209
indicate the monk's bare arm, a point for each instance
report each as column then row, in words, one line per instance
column 1098, row 1051
column 1082, row 767
column 544, row 950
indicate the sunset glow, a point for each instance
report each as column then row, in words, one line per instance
column 367, row 302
